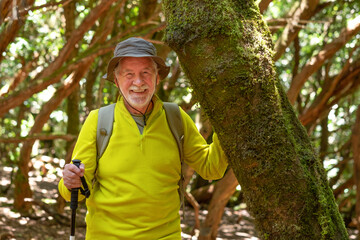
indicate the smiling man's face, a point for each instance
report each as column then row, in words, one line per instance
column 136, row 77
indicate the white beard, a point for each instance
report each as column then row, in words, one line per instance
column 138, row 97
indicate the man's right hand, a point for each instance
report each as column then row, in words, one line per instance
column 72, row 174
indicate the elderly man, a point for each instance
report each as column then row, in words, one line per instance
column 135, row 196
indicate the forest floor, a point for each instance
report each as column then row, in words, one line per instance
column 41, row 225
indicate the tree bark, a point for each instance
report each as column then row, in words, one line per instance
column 263, row 5
column 324, row 139
column 225, row 50
column 5, row 8
column 356, row 153
column 147, row 9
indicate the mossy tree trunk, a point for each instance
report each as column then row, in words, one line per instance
column 225, row 50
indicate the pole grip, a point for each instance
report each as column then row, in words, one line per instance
column 75, row 191
column 76, row 162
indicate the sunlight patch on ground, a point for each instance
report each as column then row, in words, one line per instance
column 9, row 213
column 4, row 180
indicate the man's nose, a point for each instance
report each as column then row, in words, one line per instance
column 138, row 81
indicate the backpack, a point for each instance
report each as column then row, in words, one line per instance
column 174, row 120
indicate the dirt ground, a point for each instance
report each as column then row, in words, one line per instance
column 235, row 224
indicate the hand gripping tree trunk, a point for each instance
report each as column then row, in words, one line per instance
column 225, row 50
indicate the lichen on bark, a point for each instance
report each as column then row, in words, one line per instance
column 225, row 49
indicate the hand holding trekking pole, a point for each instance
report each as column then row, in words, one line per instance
column 74, row 204
column 74, row 199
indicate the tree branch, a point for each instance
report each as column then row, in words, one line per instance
column 328, row 90
column 75, row 37
column 20, row 96
column 263, row 5
column 316, row 62
column 63, row 3
column 19, row 77
column 11, row 29
column 304, row 12
column 66, row 137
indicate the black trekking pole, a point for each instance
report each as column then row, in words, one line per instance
column 74, row 199
column 74, row 204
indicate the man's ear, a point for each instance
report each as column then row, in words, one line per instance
column 157, row 79
column 115, row 81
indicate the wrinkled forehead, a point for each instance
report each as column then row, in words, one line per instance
column 137, row 62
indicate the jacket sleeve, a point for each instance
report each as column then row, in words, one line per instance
column 208, row 160
column 85, row 151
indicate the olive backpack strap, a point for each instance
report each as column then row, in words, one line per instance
column 103, row 131
column 174, row 119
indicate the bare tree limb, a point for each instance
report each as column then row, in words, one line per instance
column 285, row 21
column 12, row 27
column 263, row 5
column 24, row 11
column 19, row 77
column 347, row 184
column 66, row 137
column 304, row 12
column 5, row 7
column 328, row 89
column 75, row 37
column 63, row 3
column 20, row 96
column 316, row 62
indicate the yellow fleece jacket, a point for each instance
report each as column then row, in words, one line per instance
column 136, row 195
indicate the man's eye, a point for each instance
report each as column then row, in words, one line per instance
column 129, row 75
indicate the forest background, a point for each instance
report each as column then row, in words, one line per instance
column 53, row 55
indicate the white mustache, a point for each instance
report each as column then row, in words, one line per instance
column 138, row 89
